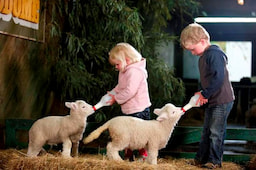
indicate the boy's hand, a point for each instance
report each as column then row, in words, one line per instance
column 201, row 100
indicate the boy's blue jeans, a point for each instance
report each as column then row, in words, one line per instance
column 214, row 132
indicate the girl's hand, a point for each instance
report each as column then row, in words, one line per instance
column 112, row 100
column 201, row 100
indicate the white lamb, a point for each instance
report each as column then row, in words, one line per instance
column 135, row 133
column 60, row 129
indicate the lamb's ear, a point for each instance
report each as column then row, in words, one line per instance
column 68, row 104
column 157, row 111
column 71, row 105
column 161, row 117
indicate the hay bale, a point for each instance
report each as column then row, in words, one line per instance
column 252, row 164
column 12, row 159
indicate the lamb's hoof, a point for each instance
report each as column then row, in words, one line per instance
column 42, row 152
column 115, row 159
column 66, row 156
column 32, row 156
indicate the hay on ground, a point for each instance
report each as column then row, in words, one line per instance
column 13, row 159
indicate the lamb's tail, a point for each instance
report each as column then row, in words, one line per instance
column 96, row 133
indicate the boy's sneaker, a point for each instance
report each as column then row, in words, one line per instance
column 194, row 162
column 210, row 165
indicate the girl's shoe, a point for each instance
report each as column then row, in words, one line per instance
column 143, row 153
column 128, row 154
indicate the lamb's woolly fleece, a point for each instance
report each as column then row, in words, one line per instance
column 135, row 133
column 60, row 129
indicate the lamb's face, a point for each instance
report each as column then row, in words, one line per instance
column 80, row 107
column 169, row 111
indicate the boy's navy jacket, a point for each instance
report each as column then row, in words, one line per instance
column 214, row 76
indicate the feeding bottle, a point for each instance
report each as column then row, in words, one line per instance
column 192, row 103
column 103, row 101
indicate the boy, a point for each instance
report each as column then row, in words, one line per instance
column 216, row 91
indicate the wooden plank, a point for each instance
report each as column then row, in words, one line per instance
column 189, row 134
column 12, row 125
column 187, row 155
column 186, row 135
column 240, row 158
column 241, row 134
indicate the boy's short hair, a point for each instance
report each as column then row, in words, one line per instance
column 192, row 34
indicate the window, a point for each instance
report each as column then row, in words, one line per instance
column 239, row 55
column 239, row 58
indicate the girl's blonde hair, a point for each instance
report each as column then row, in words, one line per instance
column 122, row 51
column 192, row 34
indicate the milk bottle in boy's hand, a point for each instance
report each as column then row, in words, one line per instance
column 192, row 103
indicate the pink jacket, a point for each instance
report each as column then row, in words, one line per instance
column 132, row 88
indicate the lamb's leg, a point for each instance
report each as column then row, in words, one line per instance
column 34, row 148
column 75, row 146
column 152, row 156
column 67, row 144
column 113, row 152
column 33, row 151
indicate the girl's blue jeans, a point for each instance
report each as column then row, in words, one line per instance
column 145, row 114
column 213, row 135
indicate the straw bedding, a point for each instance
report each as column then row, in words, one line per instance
column 12, row 159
